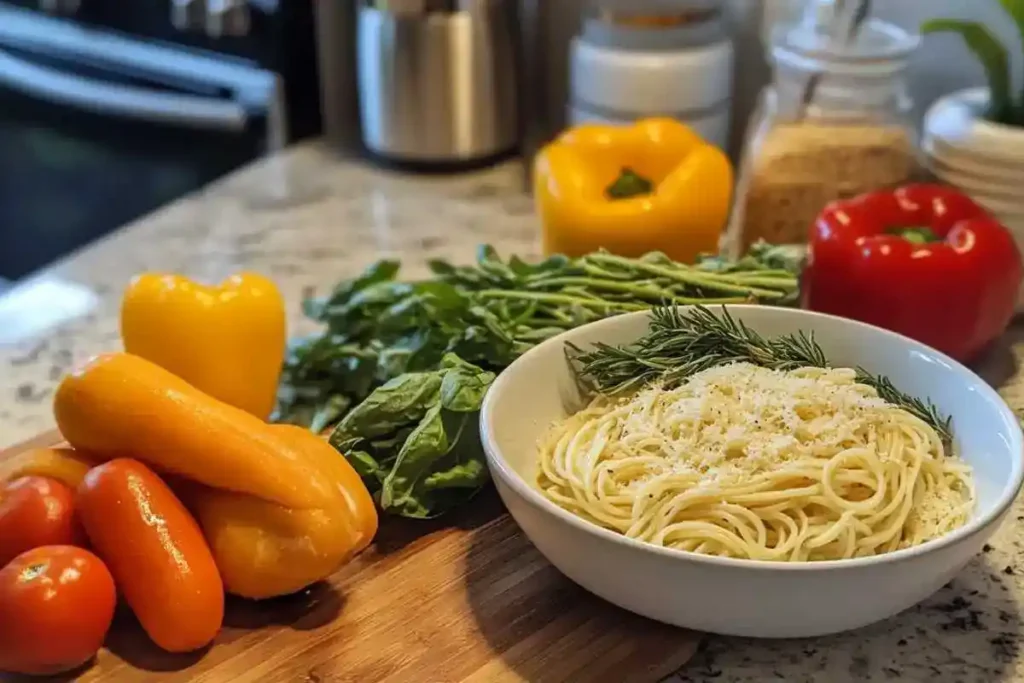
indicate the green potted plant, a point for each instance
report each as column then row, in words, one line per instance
column 1002, row 106
column 974, row 139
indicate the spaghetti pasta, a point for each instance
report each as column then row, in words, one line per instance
column 748, row 462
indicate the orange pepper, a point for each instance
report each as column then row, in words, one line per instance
column 227, row 340
column 119, row 404
column 280, row 508
column 653, row 186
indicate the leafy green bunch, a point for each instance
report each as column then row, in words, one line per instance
column 1004, row 106
column 400, row 368
column 377, row 327
column 414, row 440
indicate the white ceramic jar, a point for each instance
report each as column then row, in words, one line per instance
column 666, row 63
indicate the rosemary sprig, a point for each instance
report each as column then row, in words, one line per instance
column 684, row 341
column 924, row 410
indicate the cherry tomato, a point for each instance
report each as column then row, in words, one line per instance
column 56, row 605
column 36, row 511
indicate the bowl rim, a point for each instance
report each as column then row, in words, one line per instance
column 498, row 465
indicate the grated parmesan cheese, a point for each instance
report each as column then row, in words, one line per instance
column 733, row 421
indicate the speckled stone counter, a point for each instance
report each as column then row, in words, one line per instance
column 303, row 218
column 308, row 219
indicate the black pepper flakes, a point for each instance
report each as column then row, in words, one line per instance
column 986, row 548
column 1008, row 570
column 1004, row 646
column 29, row 393
column 31, row 356
column 955, row 605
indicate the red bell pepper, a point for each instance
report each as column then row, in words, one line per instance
column 923, row 260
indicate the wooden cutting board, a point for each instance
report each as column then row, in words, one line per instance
column 461, row 600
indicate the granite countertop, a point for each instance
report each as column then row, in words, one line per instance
column 307, row 219
column 303, row 218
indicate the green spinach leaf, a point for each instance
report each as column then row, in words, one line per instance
column 404, row 399
column 427, row 444
column 415, row 440
column 464, row 385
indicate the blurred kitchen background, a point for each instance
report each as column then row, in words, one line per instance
column 112, row 108
column 941, row 65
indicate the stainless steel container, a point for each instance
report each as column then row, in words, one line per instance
column 439, row 79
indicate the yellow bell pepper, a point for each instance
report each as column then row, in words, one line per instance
column 227, row 340
column 652, row 186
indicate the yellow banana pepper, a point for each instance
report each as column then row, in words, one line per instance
column 264, row 550
column 227, row 340
column 652, row 186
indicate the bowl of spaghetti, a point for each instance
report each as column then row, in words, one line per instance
column 751, row 471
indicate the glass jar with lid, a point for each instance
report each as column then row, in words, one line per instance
column 834, row 123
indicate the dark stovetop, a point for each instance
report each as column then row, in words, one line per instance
column 281, row 29
column 66, row 182
column 69, row 176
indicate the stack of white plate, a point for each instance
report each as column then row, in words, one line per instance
column 984, row 159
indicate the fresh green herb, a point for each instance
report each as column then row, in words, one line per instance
column 683, row 342
column 377, row 327
column 402, row 367
column 414, row 440
column 924, row 410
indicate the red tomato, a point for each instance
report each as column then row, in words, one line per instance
column 36, row 511
column 56, row 605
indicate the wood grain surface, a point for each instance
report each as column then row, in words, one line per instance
column 462, row 600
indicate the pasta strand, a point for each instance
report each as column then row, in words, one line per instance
column 748, row 462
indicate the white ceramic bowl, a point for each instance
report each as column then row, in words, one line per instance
column 746, row 597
